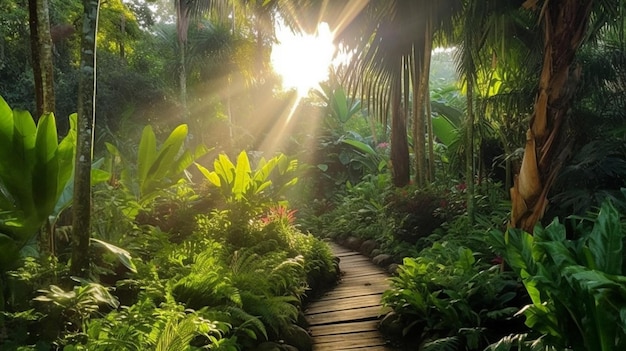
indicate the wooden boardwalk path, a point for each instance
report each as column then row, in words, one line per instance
column 346, row 317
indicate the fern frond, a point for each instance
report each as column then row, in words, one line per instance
column 276, row 312
column 177, row 334
column 244, row 323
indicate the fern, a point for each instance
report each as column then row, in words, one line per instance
column 288, row 277
column 245, row 324
column 208, row 284
column 276, row 312
column 177, row 334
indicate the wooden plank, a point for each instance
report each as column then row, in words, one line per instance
column 343, row 303
column 363, row 279
column 344, row 266
column 349, row 256
column 349, row 344
column 344, row 295
column 367, row 334
column 354, row 256
column 347, row 253
column 358, row 314
column 346, row 290
column 363, row 273
column 346, row 318
column 347, row 267
column 375, row 288
column 342, row 328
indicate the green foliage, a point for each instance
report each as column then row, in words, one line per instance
column 77, row 305
column 594, row 174
column 157, row 168
column 359, row 210
column 370, row 160
column 577, row 287
column 34, row 170
column 247, row 193
column 238, row 182
column 262, row 290
column 415, row 212
column 338, row 104
column 446, row 292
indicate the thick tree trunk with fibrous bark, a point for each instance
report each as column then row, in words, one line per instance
column 564, row 24
column 81, row 223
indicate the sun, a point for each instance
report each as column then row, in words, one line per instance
column 303, row 60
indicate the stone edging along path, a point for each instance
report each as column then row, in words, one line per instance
column 347, row 317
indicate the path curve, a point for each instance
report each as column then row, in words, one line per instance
column 346, row 317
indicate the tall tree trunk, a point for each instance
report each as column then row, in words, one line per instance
column 123, row 36
column 469, row 151
column 41, row 52
column 399, row 144
column 81, row 224
column 430, row 174
column 564, row 24
column 182, row 26
column 182, row 79
column 419, row 131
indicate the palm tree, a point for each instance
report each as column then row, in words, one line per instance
column 491, row 43
column 392, row 41
column 186, row 10
column 564, row 24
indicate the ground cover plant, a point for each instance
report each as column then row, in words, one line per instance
column 235, row 276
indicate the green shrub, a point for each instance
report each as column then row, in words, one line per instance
column 577, row 287
column 446, row 295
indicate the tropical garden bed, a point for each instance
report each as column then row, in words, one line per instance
column 185, row 205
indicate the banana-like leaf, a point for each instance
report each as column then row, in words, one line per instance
column 361, row 146
column 445, row 130
column 606, row 240
column 122, row 255
column 210, row 176
column 24, row 136
column 46, row 167
column 146, row 154
column 66, row 152
column 34, row 168
column 225, row 169
column 242, row 176
column 6, row 125
column 169, row 150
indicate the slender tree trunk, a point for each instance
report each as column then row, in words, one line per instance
column 41, row 52
column 428, row 51
column 399, row 144
column 419, row 130
column 469, row 152
column 182, row 26
column 81, row 224
column 123, row 36
column 182, row 80
column 564, row 24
